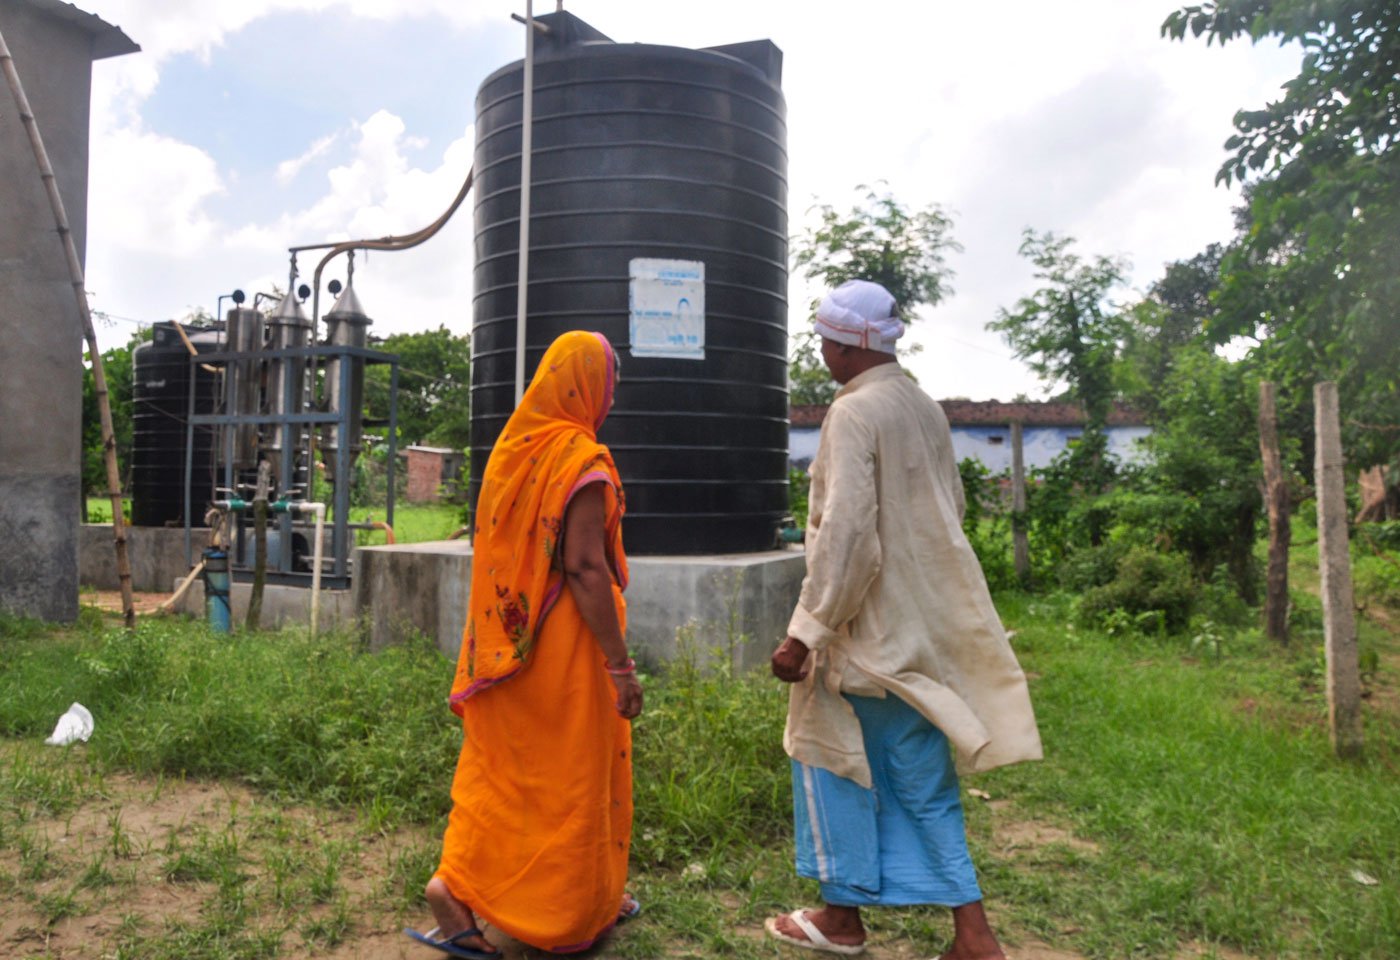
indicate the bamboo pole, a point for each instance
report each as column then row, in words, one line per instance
column 99, row 377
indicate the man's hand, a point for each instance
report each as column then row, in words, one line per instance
column 629, row 695
column 790, row 660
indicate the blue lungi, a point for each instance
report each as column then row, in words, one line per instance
column 900, row 843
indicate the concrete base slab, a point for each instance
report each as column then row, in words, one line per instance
column 734, row 607
column 281, row 606
column 157, row 556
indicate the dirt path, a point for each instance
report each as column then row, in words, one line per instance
column 110, row 601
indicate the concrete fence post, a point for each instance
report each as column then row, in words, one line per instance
column 1020, row 543
column 1338, row 610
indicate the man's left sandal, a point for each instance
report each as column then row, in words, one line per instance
column 450, row 946
column 631, row 907
column 816, row 940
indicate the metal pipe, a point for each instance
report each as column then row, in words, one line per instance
column 216, row 590
column 319, row 509
column 527, row 118
column 405, row 242
column 180, row 590
column 377, row 525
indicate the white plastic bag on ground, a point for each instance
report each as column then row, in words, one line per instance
column 76, row 724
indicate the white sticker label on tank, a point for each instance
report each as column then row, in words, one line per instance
column 667, row 303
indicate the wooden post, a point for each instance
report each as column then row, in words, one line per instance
column 1279, row 506
column 253, row 621
column 1018, row 508
column 1338, row 611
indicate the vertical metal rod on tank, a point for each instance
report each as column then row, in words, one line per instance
column 527, row 94
column 189, row 465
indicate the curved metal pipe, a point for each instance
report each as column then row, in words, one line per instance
column 404, row 242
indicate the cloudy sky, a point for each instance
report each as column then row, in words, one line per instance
column 247, row 126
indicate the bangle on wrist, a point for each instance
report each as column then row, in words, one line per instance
column 629, row 666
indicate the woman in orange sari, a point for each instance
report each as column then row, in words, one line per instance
column 541, row 822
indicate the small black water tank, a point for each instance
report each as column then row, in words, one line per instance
column 647, row 152
column 160, row 404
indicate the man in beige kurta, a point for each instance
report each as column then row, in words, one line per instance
column 894, row 643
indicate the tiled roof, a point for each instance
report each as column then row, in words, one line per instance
column 971, row 413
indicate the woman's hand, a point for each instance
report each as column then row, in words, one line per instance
column 629, row 695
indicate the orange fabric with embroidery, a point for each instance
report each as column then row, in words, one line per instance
column 541, row 822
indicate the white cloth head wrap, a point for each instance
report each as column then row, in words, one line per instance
column 861, row 314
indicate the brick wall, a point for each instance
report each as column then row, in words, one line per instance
column 424, row 475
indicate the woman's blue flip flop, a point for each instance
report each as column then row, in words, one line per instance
column 628, row 912
column 450, row 946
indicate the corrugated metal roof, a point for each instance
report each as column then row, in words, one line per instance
column 107, row 40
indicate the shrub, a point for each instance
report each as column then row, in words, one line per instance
column 1377, row 580
column 987, row 523
column 1385, row 535
column 1092, row 567
column 799, row 487
column 1149, row 587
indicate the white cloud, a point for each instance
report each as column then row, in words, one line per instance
column 1080, row 119
column 152, row 189
column 287, row 170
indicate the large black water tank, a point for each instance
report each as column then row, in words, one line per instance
column 649, row 152
column 160, row 407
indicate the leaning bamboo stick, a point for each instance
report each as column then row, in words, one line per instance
column 99, row 377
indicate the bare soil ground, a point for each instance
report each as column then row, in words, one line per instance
column 110, row 601
column 128, row 852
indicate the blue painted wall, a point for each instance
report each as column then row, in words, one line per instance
column 992, row 445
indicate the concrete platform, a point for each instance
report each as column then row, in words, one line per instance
column 735, row 607
column 157, row 556
column 281, row 606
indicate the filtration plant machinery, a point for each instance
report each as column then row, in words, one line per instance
column 288, row 427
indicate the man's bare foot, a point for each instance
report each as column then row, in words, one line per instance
column 972, row 935
column 452, row 915
column 840, row 925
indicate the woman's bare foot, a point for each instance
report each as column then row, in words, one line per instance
column 838, row 924
column 452, row 915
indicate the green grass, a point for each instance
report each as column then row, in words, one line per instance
column 308, row 719
column 99, row 509
column 1210, row 787
column 413, row 522
column 1189, row 798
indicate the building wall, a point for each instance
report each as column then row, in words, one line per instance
column 992, row 445
column 1039, row 445
column 424, row 476
column 41, row 360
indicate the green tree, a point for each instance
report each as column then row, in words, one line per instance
column 117, row 365
column 1070, row 332
column 878, row 239
column 1198, row 494
column 1316, row 276
column 1174, row 314
column 434, row 402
